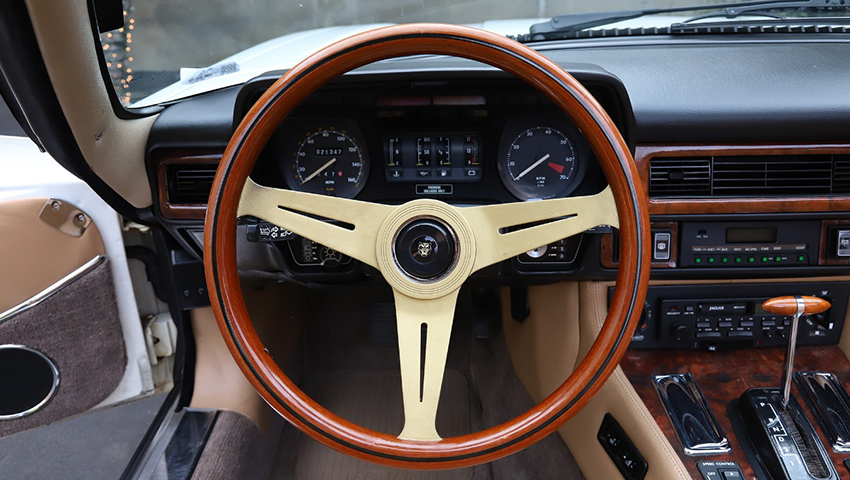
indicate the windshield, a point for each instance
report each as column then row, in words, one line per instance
column 169, row 49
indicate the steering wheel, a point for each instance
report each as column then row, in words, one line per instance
column 425, row 249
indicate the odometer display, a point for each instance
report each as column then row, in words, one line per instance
column 328, row 161
column 540, row 163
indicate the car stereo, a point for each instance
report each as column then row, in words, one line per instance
column 730, row 315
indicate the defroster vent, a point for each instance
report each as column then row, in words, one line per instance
column 749, row 176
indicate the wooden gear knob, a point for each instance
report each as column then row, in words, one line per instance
column 788, row 305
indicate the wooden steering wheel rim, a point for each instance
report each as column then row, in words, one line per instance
column 257, row 128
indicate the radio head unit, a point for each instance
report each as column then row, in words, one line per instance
column 731, row 315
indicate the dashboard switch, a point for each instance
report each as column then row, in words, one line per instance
column 267, row 232
column 843, row 249
column 661, row 250
column 621, row 449
column 720, row 470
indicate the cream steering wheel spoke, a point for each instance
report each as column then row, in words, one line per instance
column 422, row 376
column 563, row 217
column 291, row 210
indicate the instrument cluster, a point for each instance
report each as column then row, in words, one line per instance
column 534, row 157
column 470, row 141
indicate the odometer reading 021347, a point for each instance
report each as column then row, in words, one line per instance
column 540, row 163
column 328, row 161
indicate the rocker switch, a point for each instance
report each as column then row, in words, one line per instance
column 843, row 249
column 661, row 246
column 621, row 449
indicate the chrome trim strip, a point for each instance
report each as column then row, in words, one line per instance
column 692, row 418
column 53, row 289
column 830, row 404
column 49, row 395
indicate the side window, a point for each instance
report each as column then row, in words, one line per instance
column 8, row 125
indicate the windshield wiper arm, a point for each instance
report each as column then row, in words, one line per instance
column 564, row 25
column 761, row 10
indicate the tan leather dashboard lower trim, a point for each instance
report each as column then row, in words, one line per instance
column 644, row 153
column 564, row 321
column 219, row 384
column 114, row 148
column 38, row 254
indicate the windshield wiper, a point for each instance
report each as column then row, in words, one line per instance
column 565, row 26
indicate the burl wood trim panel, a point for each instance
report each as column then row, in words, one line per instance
column 164, row 158
column 723, row 376
column 607, row 246
column 824, row 242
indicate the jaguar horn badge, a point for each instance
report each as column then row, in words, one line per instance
column 424, row 248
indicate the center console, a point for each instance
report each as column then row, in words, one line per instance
column 707, row 356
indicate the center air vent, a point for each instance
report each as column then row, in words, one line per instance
column 679, row 177
column 749, row 176
column 189, row 184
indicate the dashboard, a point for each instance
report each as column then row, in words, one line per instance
column 450, row 129
column 477, row 140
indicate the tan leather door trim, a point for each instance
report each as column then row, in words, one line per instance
column 35, row 255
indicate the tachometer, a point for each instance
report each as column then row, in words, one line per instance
column 327, row 161
column 540, row 163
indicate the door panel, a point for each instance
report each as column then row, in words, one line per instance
column 67, row 297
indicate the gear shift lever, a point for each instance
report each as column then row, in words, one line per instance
column 796, row 306
column 784, row 442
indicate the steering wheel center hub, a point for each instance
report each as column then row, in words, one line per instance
column 425, row 249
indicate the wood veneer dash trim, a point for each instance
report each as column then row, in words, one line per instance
column 164, row 158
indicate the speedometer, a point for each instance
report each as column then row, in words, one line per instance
column 328, row 161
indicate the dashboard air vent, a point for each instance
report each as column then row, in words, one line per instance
column 772, row 175
column 841, row 174
column 189, row 184
column 679, row 177
column 750, row 176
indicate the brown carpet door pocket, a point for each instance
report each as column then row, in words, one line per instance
column 62, row 351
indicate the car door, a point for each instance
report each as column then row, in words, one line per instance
column 71, row 339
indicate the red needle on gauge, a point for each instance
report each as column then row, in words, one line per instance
column 532, row 167
column 320, row 170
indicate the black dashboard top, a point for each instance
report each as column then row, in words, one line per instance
column 704, row 89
